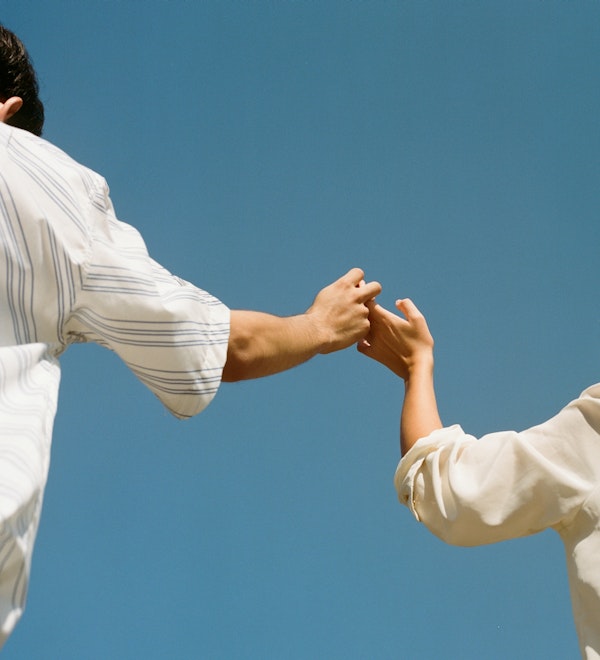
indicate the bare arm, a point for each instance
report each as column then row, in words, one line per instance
column 419, row 411
column 405, row 346
column 262, row 344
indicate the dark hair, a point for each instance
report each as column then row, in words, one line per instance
column 17, row 78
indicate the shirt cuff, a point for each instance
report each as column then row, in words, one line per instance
column 410, row 464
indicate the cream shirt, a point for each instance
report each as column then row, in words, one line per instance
column 508, row 484
column 71, row 272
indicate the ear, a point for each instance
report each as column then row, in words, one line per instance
column 9, row 107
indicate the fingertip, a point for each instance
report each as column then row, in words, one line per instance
column 372, row 289
column 357, row 274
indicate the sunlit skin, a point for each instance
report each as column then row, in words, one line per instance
column 9, row 107
column 262, row 344
column 405, row 345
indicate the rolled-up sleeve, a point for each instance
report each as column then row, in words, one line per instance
column 170, row 333
column 472, row 491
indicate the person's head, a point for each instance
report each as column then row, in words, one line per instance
column 20, row 105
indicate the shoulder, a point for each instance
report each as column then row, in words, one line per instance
column 43, row 163
column 44, row 188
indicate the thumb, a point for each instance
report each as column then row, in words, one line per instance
column 363, row 346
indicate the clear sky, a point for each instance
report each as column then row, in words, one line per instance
column 452, row 150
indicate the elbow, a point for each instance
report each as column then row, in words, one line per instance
column 238, row 363
column 457, row 537
column 468, row 529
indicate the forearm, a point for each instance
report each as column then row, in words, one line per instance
column 406, row 347
column 419, row 412
column 262, row 344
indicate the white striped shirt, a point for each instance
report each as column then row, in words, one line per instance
column 71, row 272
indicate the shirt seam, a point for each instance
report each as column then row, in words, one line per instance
column 96, row 192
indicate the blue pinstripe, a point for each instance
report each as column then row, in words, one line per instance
column 74, row 273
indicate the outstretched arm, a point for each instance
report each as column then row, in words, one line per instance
column 262, row 344
column 405, row 346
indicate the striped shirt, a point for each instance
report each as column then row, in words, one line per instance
column 70, row 272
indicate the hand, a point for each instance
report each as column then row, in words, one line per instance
column 401, row 344
column 339, row 312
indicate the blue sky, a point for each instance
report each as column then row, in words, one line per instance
column 263, row 149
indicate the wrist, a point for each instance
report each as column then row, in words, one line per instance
column 319, row 335
column 420, row 367
column 311, row 333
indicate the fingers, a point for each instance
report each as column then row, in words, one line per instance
column 354, row 276
column 408, row 308
column 369, row 291
column 376, row 311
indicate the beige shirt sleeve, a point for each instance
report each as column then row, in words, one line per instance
column 504, row 485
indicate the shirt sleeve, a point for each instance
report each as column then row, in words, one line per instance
column 504, row 485
column 170, row 333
